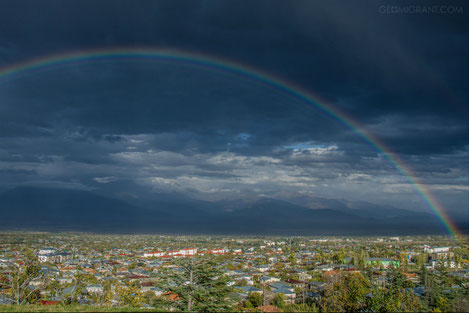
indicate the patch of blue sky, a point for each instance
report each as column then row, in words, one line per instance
column 243, row 137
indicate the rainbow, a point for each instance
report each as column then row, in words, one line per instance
column 56, row 60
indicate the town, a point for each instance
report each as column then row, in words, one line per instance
column 233, row 273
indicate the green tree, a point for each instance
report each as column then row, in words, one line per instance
column 301, row 307
column 403, row 262
column 420, row 260
column 292, row 259
column 460, row 303
column 440, row 304
column 433, row 298
column 130, row 296
column 322, row 256
column 54, row 287
column 397, row 279
column 255, row 299
column 348, row 293
column 241, row 282
column 279, row 300
column 339, row 257
column 392, row 300
column 18, row 279
column 201, row 287
column 160, row 303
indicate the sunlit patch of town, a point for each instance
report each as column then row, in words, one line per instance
column 217, row 273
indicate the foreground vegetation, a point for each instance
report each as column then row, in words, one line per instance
column 70, row 308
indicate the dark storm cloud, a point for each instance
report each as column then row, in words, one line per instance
column 367, row 63
column 125, row 125
column 212, row 113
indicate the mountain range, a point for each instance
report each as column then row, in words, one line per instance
column 48, row 209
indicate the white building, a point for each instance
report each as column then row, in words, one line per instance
column 47, row 251
column 153, row 254
column 427, row 248
column 451, row 263
column 188, row 251
column 51, row 257
column 99, row 289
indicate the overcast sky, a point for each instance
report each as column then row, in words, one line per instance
column 129, row 127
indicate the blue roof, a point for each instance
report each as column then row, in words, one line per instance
column 250, row 289
column 279, row 285
column 284, row 291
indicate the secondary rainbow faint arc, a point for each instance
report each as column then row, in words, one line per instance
column 15, row 70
